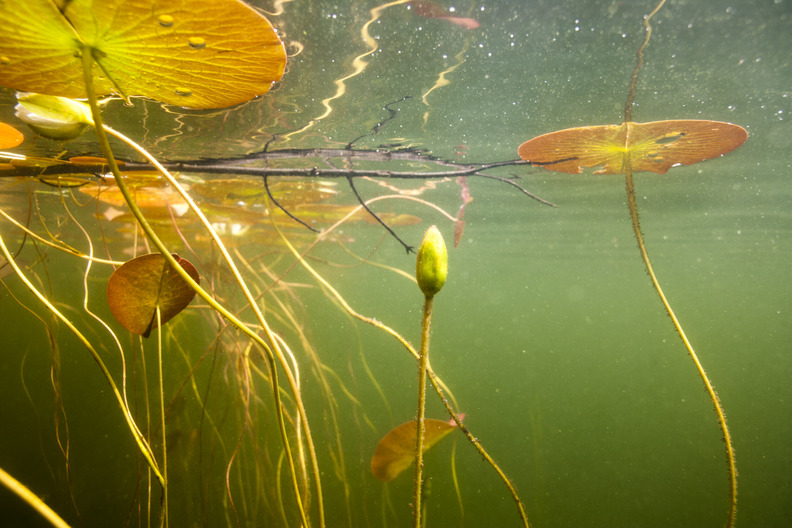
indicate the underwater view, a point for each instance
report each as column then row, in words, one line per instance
column 497, row 263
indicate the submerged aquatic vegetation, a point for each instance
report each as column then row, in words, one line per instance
column 395, row 452
column 224, row 429
column 145, row 285
column 656, row 147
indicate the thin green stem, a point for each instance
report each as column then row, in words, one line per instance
column 420, row 428
column 630, row 186
column 32, row 499
column 164, row 518
column 101, row 133
column 730, row 458
column 639, row 62
column 139, row 439
column 437, row 383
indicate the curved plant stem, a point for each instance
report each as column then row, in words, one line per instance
column 55, row 245
column 437, row 383
column 162, row 419
column 630, row 186
column 639, row 62
column 139, row 439
column 426, row 322
column 730, row 458
column 32, row 499
column 101, row 132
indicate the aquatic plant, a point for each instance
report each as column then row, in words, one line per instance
column 431, row 271
column 91, row 52
column 221, row 430
column 146, row 290
column 633, row 147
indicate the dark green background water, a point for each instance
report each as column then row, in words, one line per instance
column 548, row 330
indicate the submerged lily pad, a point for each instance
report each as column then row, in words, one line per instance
column 396, row 451
column 139, row 286
column 193, row 53
column 656, row 146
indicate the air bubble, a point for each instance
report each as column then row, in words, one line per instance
column 165, row 20
column 184, row 92
column 197, row 42
column 4, row 60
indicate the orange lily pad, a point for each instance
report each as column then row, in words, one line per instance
column 656, row 146
column 396, row 451
column 139, row 286
column 193, row 53
column 10, row 137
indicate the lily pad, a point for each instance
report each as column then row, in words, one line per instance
column 139, row 286
column 396, row 451
column 10, row 137
column 192, row 53
column 656, row 146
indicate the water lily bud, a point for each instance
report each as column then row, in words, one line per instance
column 53, row 117
column 432, row 267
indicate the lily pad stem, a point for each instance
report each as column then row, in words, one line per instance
column 87, row 60
column 423, row 360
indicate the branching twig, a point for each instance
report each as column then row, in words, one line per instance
column 279, row 206
column 377, row 218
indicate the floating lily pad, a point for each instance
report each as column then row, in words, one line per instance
column 193, row 53
column 139, row 286
column 10, row 137
column 656, row 146
column 396, row 451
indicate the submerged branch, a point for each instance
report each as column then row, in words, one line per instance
column 240, row 166
column 235, row 167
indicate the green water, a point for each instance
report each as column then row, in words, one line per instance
column 548, row 331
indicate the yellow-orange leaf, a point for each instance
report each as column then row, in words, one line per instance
column 656, row 146
column 10, row 137
column 138, row 287
column 193, row 53
column 396, row 451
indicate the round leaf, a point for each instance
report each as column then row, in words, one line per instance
column 138, row 286
column 396, row 451
column 655, row 146
column 193, row 53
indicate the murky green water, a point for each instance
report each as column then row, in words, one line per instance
column 548, row 331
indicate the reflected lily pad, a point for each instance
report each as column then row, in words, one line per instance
column 10, row 137
column 330, row 213
column 253, row 192
column 148, row 189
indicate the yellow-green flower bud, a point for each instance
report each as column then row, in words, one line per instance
column 431, row 269
column 53, row 117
